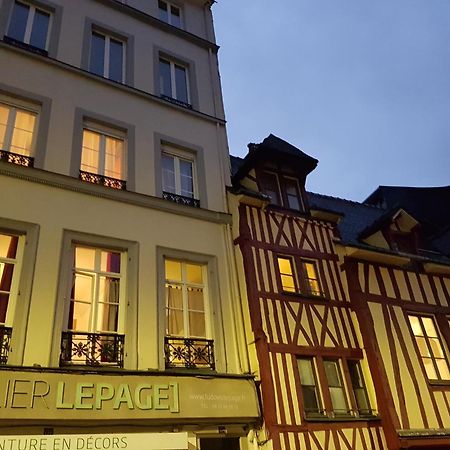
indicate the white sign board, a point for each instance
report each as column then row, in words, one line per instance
column 135, row 441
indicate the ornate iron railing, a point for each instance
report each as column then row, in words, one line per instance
column 15, row 158
column 20, row 44
column 5, row 343
column 176, row 101
column 101, row 179
column 181, row 199
column 189, row 353
column 92, row 349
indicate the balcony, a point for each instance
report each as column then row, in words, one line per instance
column 5, row 343
column 92, row 349
column 95, row 178
column 189, row 353
column 181, row 199
column 15, row 158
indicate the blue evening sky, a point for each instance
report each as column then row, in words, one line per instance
column 361, row 85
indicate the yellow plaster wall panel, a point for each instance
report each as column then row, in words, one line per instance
column 401, row 283
column 374, row 288
column 427, row 288
column 387, row 282
column 440, row 291
column 415, row 287
column 442, row 407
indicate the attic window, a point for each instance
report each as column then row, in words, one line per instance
column 402, row 242
column 283, row 190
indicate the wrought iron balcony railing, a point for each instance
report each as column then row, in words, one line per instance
column 92, row 349
column 101, row 179
column 5, row 343
column 189, row 353
column 15, row 158
column 20, row 44
column 181, row 199
column 176, row 101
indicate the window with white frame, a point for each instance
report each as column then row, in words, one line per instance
column 107, row 57
column 30, row 25
column 170, row 13
column 103, row 151
column 17, row 129
column 312, row 402
column 173, row 81
column 336, row 387
column 178, row 173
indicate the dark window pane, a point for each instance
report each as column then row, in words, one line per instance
column 40, row 29
column 269, row 186
column 97, row 61
column 18, row 22
column 116, row 60
column 165, row 85
column 163, row 13
column 292, row 193
column 175, row 18
column 181, row 83
column 310, row 400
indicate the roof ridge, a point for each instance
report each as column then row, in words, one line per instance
column 347, row 200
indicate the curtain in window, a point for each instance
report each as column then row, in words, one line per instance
column 6, row 275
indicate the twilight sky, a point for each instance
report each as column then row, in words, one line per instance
column 361, row 85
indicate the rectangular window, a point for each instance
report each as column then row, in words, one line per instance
column 173, row 81
column 95, row 323
column 169, row 13
column 282, row 190
column 359, row 388
column 311, row 279
column 103, row 154
column 310, row 392
column 430, row 347
column 336, row 387
column 270, row 186
column 17, row 129
column 188, row 341
column 107, row 57
column 286, row 273
column 29, row 25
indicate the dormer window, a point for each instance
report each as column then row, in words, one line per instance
column 402, row 242
column 283, row 190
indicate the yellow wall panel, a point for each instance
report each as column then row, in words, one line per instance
column 401, row 283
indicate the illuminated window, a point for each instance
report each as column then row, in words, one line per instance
column 286, row 273
column 186, row 301
column 29, row 25
column 107, row 57
column 17, row 129
column 336, row 387
column 173, row 81
column 310, row 392
column 430, row 347
column 169, row 13
column 10, row 251
column 103, row 153
column 178, row 173
column 283, row 190
column 311, row 279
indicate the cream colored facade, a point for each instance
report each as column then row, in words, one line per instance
column 52, row 212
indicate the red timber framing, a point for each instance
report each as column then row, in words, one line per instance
column 414, row 403
column 287, row 326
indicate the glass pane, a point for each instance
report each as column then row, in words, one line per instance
column 81, row 317
column 114, row 158
column 194, row 273
column 110, row 262
column 173, row 270
column 195, row 299
column 355, row 374
column 90, row 152
column 18, row 22
column 443, row 369
column 6, row 274
column 175, row 18
column 4, row 115
column 430, row 329
column 8, row 246
column 285, row 266
column 175, row 325
column 181, row 84
column 423, row 347
column 84, row 258
column 116, row 60
column 436, row 348
column 174, row 296
column 310, row 399
column 109, row 289
column 314, row 287
column 165, row 84
column 338, row 400
column 197, row 325
column 97, row 60
column 107, row 317
column 415, row 325
column 83, row 289
column 287, row 281
column 269, row 185
column 163, row 13
column 22, row 137
column 292, row 194
column 332, row 373
column 362, row 401
column 293, row 202
column 187, row 181
column 4, row 300
column 40, row 29
column 306, row 370
column 168, row 167
column 310, row 270
column 429, row 369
